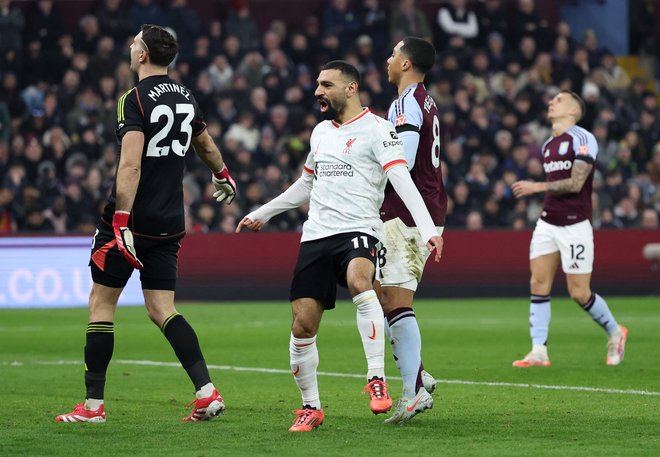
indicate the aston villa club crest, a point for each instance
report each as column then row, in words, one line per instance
column 563, row 148
column 349, row 143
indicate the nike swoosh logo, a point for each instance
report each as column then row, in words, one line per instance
column 297, row 370
column 373, row 330
column 410, row 408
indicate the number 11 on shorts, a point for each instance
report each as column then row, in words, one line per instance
column 356, row 241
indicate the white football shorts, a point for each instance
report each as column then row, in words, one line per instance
column 575, row 244
column 402, row 258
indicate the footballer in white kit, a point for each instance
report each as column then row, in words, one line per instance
column 352, row 155
column 348, row 163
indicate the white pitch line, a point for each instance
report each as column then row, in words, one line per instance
column 154, row 363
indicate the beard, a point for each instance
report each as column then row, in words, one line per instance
column 330, row 114
column 331, row 111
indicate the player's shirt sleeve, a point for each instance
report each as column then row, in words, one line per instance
column 407, row 118
column 585, row 146
column 198, row 122
column 130, row 115
column 406, row 115
column 388, row 147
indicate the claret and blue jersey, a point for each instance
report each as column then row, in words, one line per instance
column 559, row 155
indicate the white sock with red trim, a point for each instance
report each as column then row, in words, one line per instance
column 370, row 326
column 304, row 358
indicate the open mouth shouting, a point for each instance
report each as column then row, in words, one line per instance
column 324, row 104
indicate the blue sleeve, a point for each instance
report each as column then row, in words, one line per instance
column 406, row 114
column 585, row 146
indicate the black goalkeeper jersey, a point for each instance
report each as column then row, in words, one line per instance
column 168, row 115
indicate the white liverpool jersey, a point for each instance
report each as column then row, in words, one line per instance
column 349, row 162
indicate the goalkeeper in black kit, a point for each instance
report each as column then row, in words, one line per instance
column 143, row 223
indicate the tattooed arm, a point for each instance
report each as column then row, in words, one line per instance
column 579, row 174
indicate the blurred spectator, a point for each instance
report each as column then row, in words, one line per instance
column 626, row 213
column 526, row 22
column 11, row 39
column 244, row 131
column 88, row 35
column 590, row 43
column 10, row 94
column 454, row 21
column 114, row 21
column 44, row 23
column 616, row 79
column 103, row 61
column 56, row 214
column 649, row 220
column 496, row 55
column 375, row 24
column 474, row 221
column 408, row 20
column 36, row 65
column 7, row 211
column 653, row 166
column 492, row 19
column 242, row 25
column 185, row 23
column 341, row 22
column 146, row 12
column 607, row 148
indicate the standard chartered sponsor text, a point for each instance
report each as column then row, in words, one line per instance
column 328, row 170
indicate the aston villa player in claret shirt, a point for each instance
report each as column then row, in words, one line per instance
column 143, row 223
column 564, row 233
column 403, row 256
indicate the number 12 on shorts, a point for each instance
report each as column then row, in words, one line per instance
column 576, row 251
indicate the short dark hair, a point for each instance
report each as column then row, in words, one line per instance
column 161, row 45
column 580, row 102
column 344, row 68
column 420, row 52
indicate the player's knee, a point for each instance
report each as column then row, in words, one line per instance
column 539, row 286
column 579, row 292
column 358, row 285
column 302, row 328
column 580, row 295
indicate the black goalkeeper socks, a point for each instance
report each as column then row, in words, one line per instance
column 98, row 352
column 184, row 341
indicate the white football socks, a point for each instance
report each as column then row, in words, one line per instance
column 539, row 318
column 406, row 343
column 205, row 391
column 600, row 313
column 304, row 359
column 92, row 404
column 370, row 326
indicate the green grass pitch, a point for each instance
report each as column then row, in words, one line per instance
column 483, row 406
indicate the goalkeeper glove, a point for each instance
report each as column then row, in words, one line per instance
column 124, row 238
column 225, row 186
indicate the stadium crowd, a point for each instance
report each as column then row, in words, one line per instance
column 498, row 64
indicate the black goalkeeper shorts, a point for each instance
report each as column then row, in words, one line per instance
column 322, row 264
column 158, row 255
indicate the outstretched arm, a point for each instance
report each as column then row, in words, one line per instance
column 574, row 184
column 291, row 198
